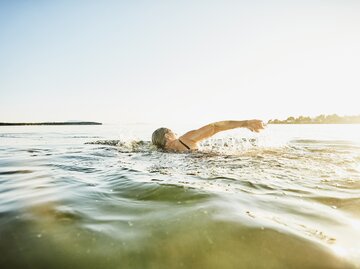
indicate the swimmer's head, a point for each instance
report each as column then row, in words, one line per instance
column 161, row 136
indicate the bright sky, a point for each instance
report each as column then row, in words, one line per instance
column 178, row 61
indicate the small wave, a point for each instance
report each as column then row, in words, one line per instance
column 15, row 172
column 125, row 146
column 105, row 142
column 326, row 143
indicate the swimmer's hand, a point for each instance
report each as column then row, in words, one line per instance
column 254, row 125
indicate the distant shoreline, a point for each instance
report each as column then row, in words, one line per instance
column 309, row 123
column 49, row 123
column 321, row 119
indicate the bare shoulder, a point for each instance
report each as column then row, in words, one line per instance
column 188, row 143
column 182, row 146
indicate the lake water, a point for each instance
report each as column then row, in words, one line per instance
column 103, row 197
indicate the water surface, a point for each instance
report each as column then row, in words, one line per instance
column 103, row 197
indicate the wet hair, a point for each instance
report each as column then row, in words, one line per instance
column 158, row 137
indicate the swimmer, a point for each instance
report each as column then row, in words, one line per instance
column 164, row 138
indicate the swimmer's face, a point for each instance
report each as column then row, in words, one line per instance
column 170, row 135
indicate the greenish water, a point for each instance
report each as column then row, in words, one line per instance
column 288, row 198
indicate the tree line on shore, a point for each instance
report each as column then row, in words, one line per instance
column 321, row 119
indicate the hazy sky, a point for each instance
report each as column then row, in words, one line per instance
column 163, row 61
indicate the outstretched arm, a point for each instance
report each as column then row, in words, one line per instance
column 213, row 128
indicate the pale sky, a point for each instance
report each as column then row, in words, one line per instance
column 178, row 61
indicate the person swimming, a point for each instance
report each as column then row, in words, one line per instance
column 166, row 139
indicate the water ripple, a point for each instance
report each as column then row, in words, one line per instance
column 123, row 204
